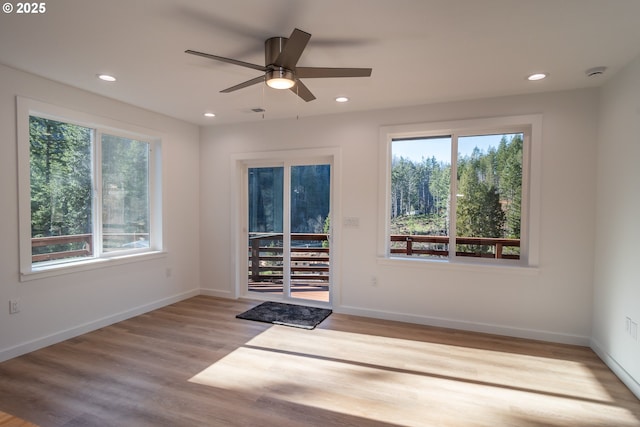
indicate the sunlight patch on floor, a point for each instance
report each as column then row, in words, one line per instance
column 403, row 381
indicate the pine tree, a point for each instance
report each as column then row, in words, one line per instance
column 478, row 213
column 511, row 183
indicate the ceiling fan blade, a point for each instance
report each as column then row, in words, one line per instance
column 228, row 60
column 321, row 72
column 244, row 84
column 293, row 49
column 302, row 91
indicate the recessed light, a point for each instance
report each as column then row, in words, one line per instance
column 209, row 115
column 107, row 77
column 537, row 76
column 342, row 99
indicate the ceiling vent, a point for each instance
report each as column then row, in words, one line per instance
column 595, row 71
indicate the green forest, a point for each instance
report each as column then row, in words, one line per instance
column 309, row 198
column 62, row 178
column 489, row 193
column 60, row 172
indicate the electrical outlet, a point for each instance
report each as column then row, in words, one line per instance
column 14, row 306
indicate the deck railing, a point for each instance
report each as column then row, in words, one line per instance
column 309, row 257
column 311, row 262
column 307, row 261
column 84, row 244
column 39, row 242
column 437, row 246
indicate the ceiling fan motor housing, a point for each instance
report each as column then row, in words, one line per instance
column 272, row 48
column 277, row 77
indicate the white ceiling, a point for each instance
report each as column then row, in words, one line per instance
column 421, row 51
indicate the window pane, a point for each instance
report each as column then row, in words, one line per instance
column 61, row 195
column 125, row 193
column 489, row 196
column 420, row 186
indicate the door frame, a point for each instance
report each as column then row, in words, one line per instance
column 240, row 163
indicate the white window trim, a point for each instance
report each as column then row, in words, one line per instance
column 532, row 172
column 26, row 107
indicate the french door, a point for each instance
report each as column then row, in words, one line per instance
column 288, row 231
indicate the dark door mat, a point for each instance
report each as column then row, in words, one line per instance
column 278, row 313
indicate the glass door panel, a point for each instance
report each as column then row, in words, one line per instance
column 266, row 262
column 309, row 226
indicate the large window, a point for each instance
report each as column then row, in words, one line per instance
column 87, row 192
column 459, row 192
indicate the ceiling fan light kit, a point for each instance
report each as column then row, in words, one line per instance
column 280, row 78
column 281, row 56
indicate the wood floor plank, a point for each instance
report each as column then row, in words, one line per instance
column 194, row 364
column 7, row 420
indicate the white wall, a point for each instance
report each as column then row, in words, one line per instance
column 62, row 306
column 617, row 272
column 552, row 302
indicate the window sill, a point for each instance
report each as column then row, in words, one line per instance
column 88, row 265
column 474, row 267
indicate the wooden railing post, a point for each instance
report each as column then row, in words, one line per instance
column 409, row 246
column 88, row 244
column 255, row 259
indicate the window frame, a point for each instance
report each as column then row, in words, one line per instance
column 26, row 108
column 529, row 125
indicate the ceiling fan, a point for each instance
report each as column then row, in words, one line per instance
column 281, row 71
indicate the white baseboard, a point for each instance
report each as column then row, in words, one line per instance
column 617, row 369
column 468, row 326
column 217, row 293
column 66, row 334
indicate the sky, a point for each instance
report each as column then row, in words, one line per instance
column 417, row 149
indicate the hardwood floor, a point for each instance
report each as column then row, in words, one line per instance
column 7, row 420
column 194, row 364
